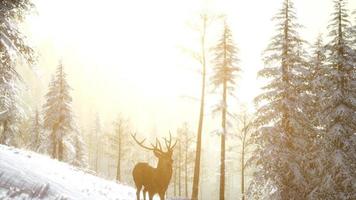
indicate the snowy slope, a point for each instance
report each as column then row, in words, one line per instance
column 27, row 175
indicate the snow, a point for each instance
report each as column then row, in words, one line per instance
column 9, row 45
column 27, row 175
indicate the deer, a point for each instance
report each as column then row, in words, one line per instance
column 154, row 180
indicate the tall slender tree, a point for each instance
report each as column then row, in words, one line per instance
column 35, row 132
column 58, row 117
column 183, row 160
column 283, row 128
column 202, row 60
column 246, row 143
column 224, row 78
column 339, row 111
column 78, row 154
column 96, row 143
column 121, row 144
column 13, row 46
column 316, row 82
column 314, row 102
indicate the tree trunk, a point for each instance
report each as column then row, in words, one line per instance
column 186, row 169
column 2, row 134
column 54, row 142
column 243, row 168
column 285, row 74
column 223, row 135
column 223, row 126
column 175, row 182
column 96, row 152
column 60, row 150
column 195, row 189
column 180, row 169
column 118, row 169
column 54, row 146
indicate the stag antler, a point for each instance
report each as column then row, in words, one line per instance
column 153, row 148
column 158, row 146
column 169, row 142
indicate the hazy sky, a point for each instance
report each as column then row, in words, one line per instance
column 125, row 56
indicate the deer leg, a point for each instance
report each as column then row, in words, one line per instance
column 144, row 193
column 161, row 196
column 138, row 192
column 151, row 194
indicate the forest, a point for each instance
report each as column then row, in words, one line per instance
column 180, row 98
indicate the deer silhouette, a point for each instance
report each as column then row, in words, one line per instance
column 154, row 180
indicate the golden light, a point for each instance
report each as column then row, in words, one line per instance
column 125, row 56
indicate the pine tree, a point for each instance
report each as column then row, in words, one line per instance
column 12, row 48
column 183, row 160
column 186, row 140
column 339, row 112
column 316, row 83
column 35, row 133
column 120, row 145
column 96, row 143
column 314, row 103
column 77, row 155
column 244, row 135
column 58, row 117
column 283, row 129
column 224, row 76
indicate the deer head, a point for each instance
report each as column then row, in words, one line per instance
column 164, row 157
column 154, row 180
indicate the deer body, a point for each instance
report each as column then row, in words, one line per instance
column 154, row 180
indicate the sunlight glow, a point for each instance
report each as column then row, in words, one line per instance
column 125, row 56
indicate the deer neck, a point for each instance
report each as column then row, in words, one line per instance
column 163, row 175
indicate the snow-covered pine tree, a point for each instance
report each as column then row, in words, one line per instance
column 58, row 121
column 95, row 144
column 313, row 105
column 35, row 132
column 12, row 48
column 316, row 81
column 47, row 145
column 281, row 137
column 339, row 112
column 77, row 155
column 224, row 77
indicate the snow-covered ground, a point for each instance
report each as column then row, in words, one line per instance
column 27, row 175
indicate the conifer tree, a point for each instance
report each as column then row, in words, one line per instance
column 120, row 143
column 78, row 154
column 58, row 117
column 13, row 47
column 283, row 128
column 316, row 83
column 35, row 132
column 224, row 77
column 244, row 135
column 314, row 103
column 339, row 142
column 96, row 143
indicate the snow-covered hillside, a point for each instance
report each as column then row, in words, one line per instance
column 27, row 175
